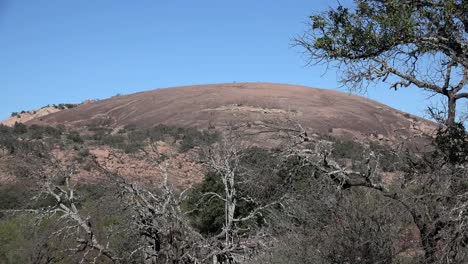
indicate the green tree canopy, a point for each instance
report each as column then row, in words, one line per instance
column 422, row 43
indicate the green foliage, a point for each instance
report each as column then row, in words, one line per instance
column 39, row 132
column 347, row 149
column 132, row 139
column 188, row 137
column 114, row 141
column 13, row 238
column 21, row 195
column 374, row 27
column 64, row 106
column 20, row 128
column 29, row 139
column 452, row 141
column 82, row 154
column 195, row 138
column 256, row 165
column 356, row 152
column 360, row 33
column 75, row 137
column 389, row 161
column 13, row 196
column 296, row 174
column 27, row 239
column 91, row 192
column 26, row 158
column 207, row 213
column 403, row 43
column 99, row 132
column 7, row 139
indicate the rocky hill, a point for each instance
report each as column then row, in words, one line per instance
column 219, row 105
column 25, row 116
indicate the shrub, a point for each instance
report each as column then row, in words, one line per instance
column 188, row 137
column 13, row 237
column 75, row 137
column 37, row 132
column 347, row 149
column 99, row 132
column 64, row 106
column 7, row 140
column 82, row 154
column 20, row 128
column 13, row 196
column 453, row 143
column 53, row 131
column 256, row 165
column 207, row 215
column 388, row 159
column 114, row 141
column 194, row 138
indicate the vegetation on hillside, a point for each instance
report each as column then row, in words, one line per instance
column 314, row 201
column 307, row 200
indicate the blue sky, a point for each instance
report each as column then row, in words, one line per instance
column 56, row 51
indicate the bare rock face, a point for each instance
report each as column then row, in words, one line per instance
column 184, row 171
column 218, row 105
column 26, row 116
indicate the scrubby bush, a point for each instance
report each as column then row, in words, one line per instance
column 14, row 196
column 452, row 142
column 53, row 131
column 20, row 128
column 82, row 154
column 74, row 136
column 13, row 238
column 7, row 139
column 347, row 149
column 37, row 132
column 207, row 215
column 64, row 106
column 194, row 138
column 114, row 141
column 389, row 160
column 188, row 137
column 131, row 139
column 98, row 132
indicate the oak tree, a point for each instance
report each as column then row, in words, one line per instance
column 421, row 43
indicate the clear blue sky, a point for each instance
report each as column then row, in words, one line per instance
column 56, row 51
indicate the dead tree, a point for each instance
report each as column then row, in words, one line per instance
column 225, row 160
column 432, row 192
column 75, row 225
column 165, row 234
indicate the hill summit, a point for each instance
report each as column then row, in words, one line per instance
column 216, row 105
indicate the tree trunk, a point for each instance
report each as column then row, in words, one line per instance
column 452, row 104
column 429, row 247
column 429, row 241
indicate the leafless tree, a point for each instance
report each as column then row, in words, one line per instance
column 431, row 193
column 75, row 225
column 165, row 234
column 225, row 160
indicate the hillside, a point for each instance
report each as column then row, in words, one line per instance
column 25, row 116
column 165, row 155
column 218, row 105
